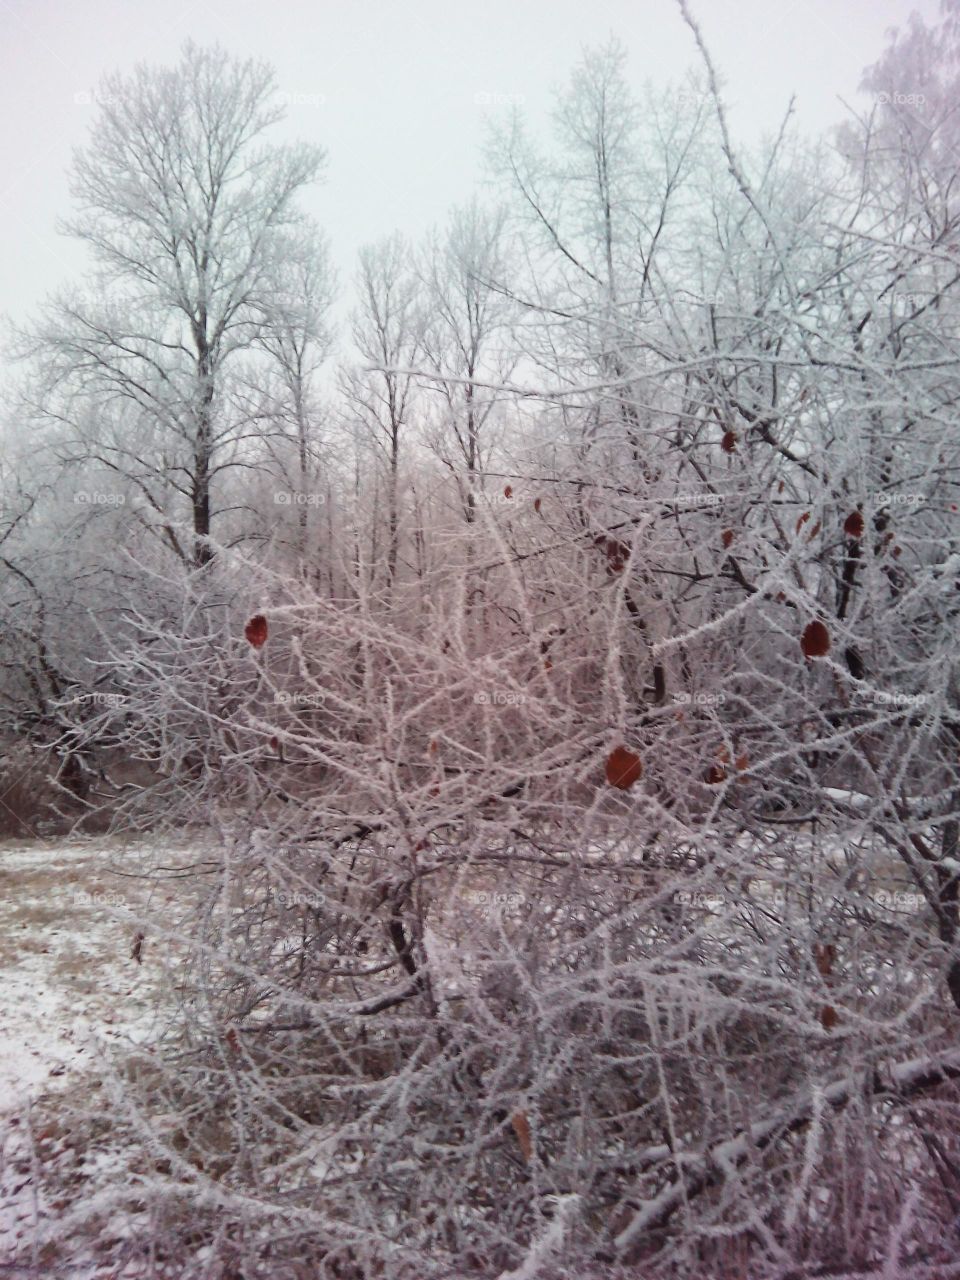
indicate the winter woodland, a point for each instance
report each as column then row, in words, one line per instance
column 551, row 654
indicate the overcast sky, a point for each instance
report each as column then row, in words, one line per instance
column 398, row 93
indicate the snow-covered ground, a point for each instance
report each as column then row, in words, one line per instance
column 78, row 978
column 71, row 985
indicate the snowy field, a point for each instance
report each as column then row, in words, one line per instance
column 77, row 981
column 83, row 960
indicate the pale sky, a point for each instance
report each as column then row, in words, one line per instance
column 391, row 89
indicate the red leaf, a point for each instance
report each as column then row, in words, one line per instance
column 853, row 525
column 895, row 553
column 714, row 775
column 536, row 503
column 814, row 531
column 508, row 491
column 729, row 442
column 829, row 1017
column 274, row 744
column 803, row 520
column 617, row 553
column 521, row 1127
column 726, row 537
column 780, row 487
column 623, row 769
column 256, row 630
column 815, row 641
column 824, row 954
column 742, row 763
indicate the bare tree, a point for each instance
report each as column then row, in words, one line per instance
column 185, row 207
column 297, row 339
column 466, row 342
column 380, row 389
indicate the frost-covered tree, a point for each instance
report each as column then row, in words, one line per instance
column 188, row 210
column 467, row 341
column 585, row 894
column 379, row 387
